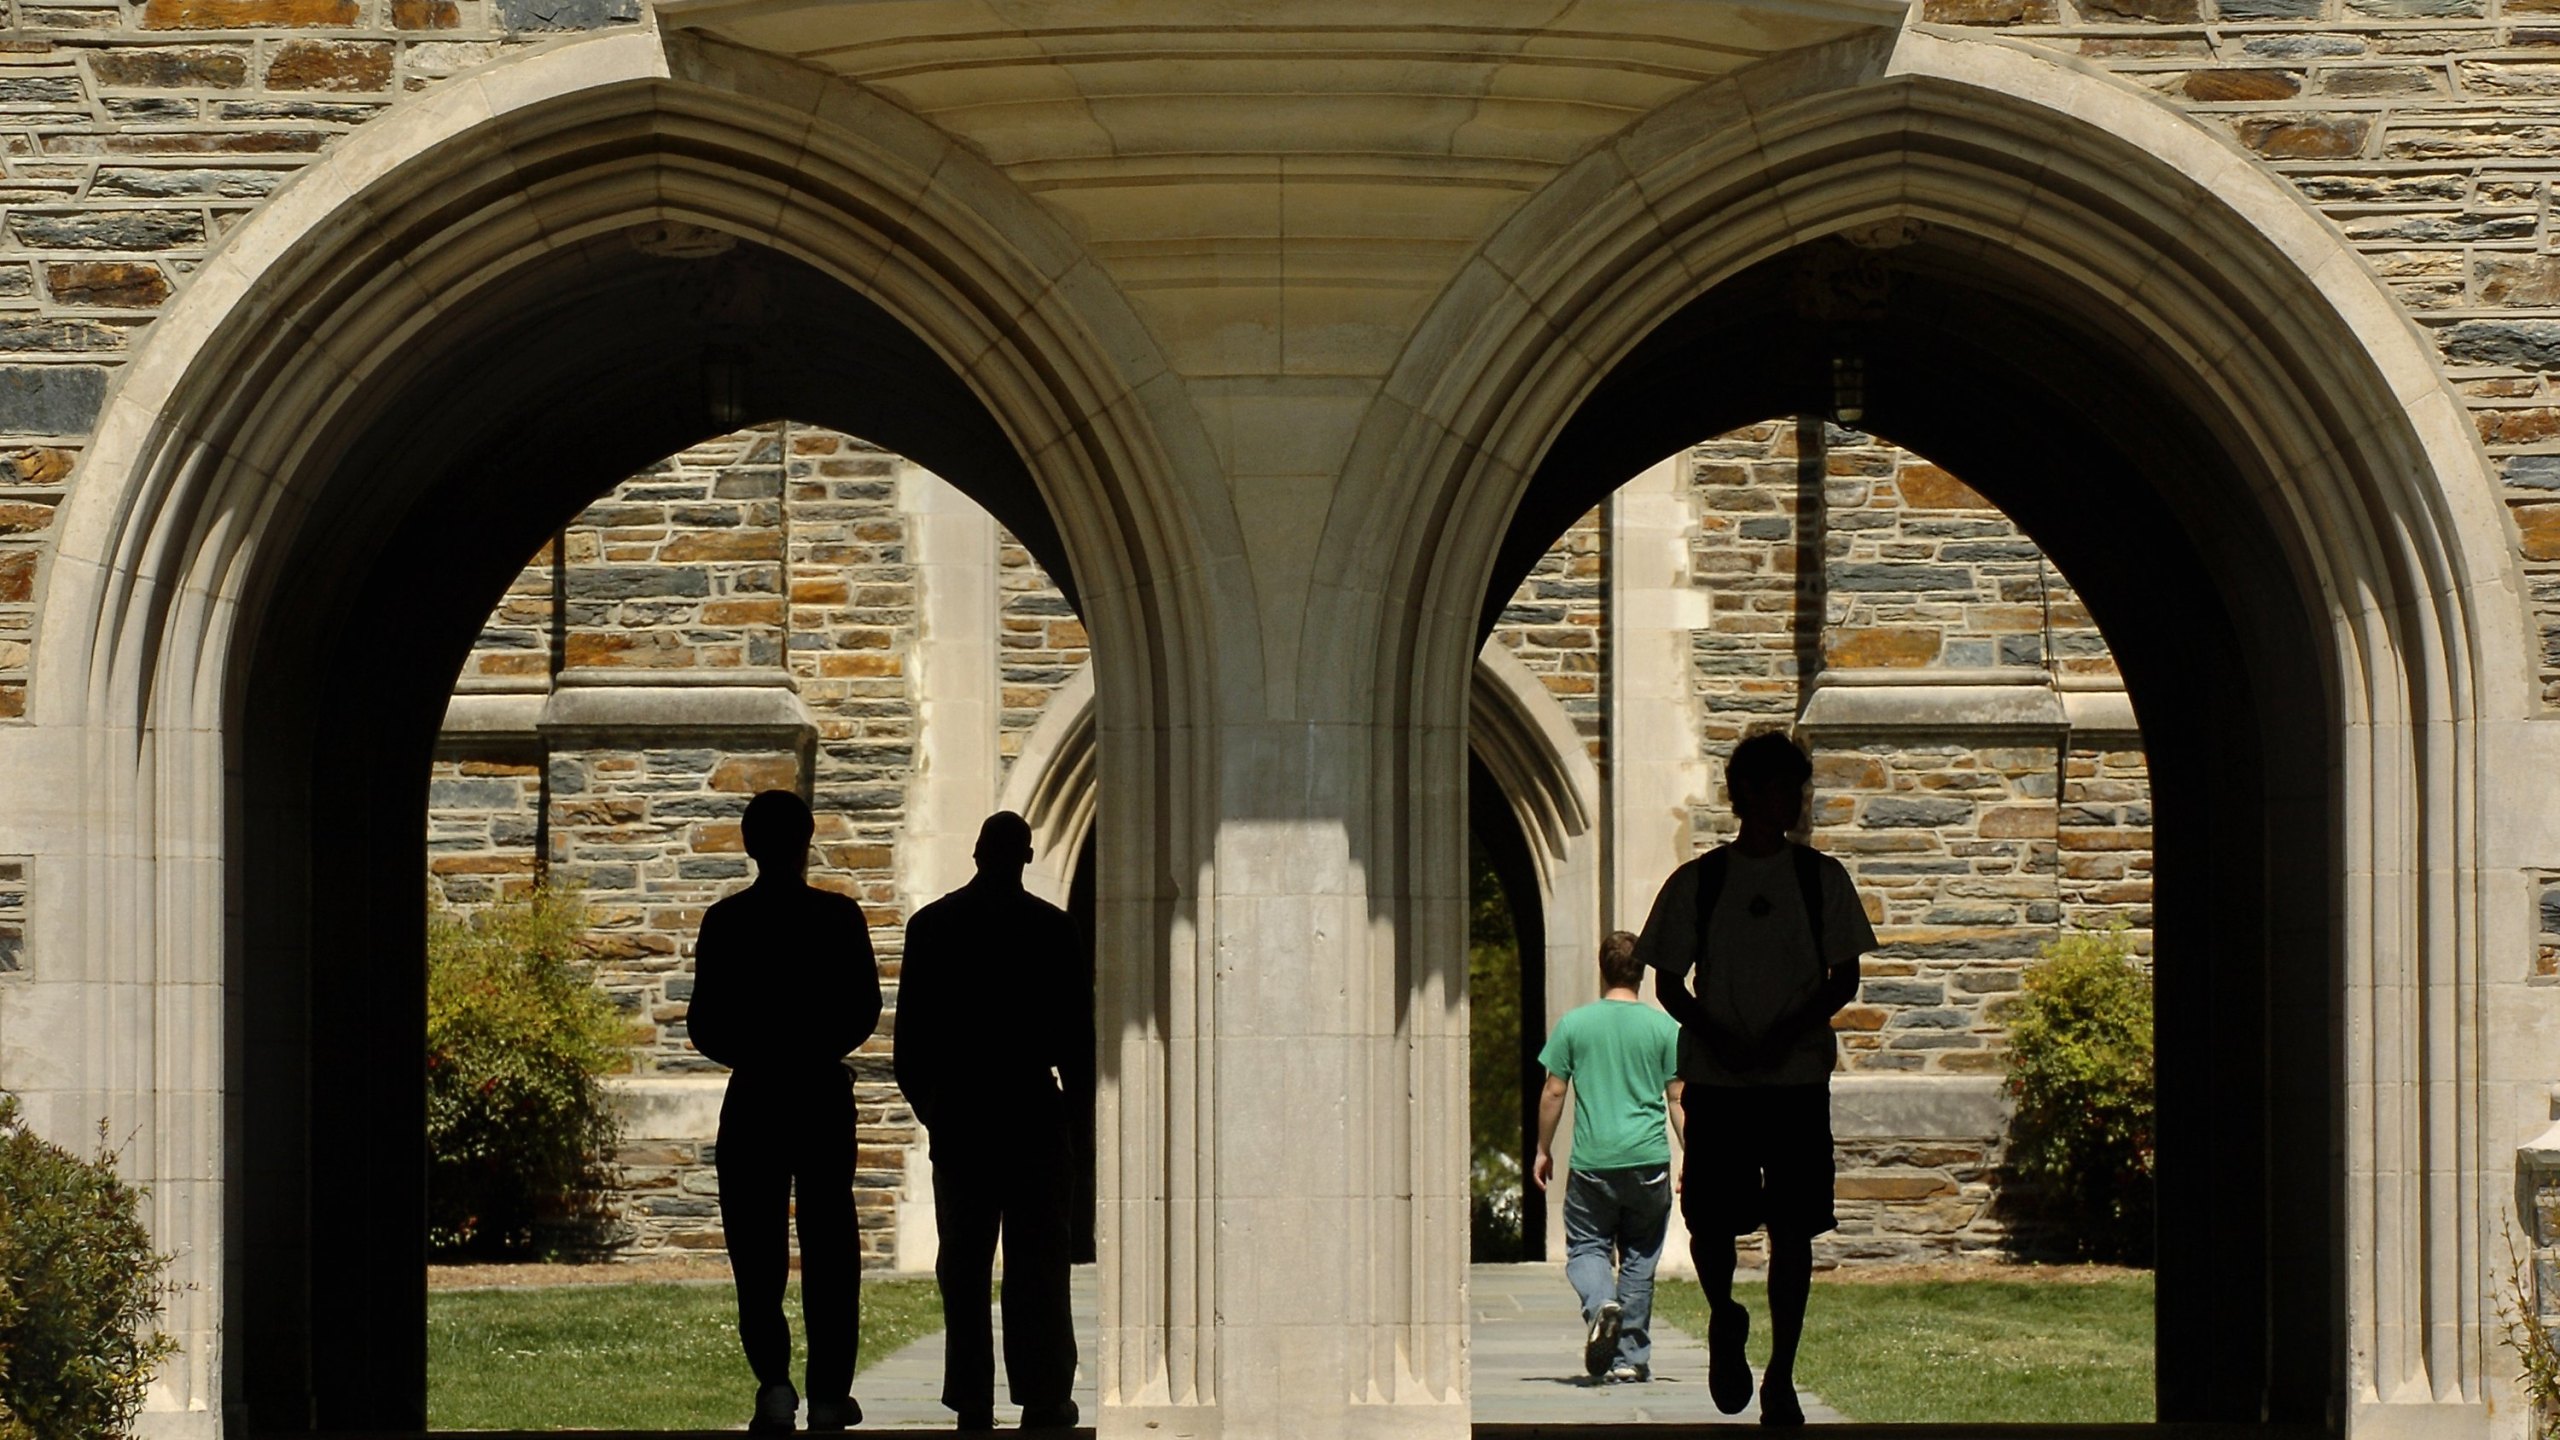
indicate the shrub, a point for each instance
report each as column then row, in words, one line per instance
column 79, row 1290
column 520, row 1135
column 2520, row 1317
column 2080, row 1069
column 1493, row 1066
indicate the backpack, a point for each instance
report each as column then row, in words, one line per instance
column 1730, row 1053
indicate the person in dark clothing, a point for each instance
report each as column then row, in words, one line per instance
column 1774, row 932
column 784, row 988
column 994, row 1031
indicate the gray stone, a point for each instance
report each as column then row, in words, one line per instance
column 13, row 950
column 50, row 399
column 1901, row 577
column 1895, row 811
column 2419, row 9
column 622, row 582
column 1931, row 1020
column 1897, row 991
column 142, row 182
column 162, row 108
column 472, row 794
column 39, row 90
column 2551, row 911
column 107, row 229
column 2524, row 344
column 2300, row 47
column 566, row 14
column 2270, row 9
column 2533, row 472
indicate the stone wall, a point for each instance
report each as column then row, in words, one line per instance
column 1041, row 643
column 136, row 134
column 2427, row 130
column 1554, row 623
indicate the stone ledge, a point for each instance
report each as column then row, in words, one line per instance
column 493, row 715
column 1934, row 707
column 1918, row 1107
column 670, row 1107
column 769, row 714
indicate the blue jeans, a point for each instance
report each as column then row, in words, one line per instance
column 1614, row 1221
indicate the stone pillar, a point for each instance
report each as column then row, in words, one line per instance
column 1655, row 775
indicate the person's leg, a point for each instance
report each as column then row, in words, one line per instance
column 830, row 1249
column 1719, row 1197
column 1790, row 1288
column 1644, row 1220
column 1039, row 1325
column 1587, row 1241
column 966, row 1213
column 755, row 1217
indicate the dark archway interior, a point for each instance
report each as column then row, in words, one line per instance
column 508, row 414
column 2015, row 382
column 1495, row 832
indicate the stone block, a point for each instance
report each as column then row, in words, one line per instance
column 50, row 399
column 117, row 284
column 1883, row 647
column 2539, row 526
column 425, row 14
column 566, row 14
column 107, row 229
column 2304, row 137
column 247, row 14
column 1902, row 992
column 224, row 68
column 336, row 65
column 1895, row 811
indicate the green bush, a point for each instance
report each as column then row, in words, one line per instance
column 2080, row 1069
column 520, row 1135
column 1496, row 1165
column 79, row 1290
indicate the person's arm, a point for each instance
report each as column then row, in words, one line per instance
column 1668, row 946
column 913, row 1054
column 854, row 1011
column 707, row 1015
column 1550, row 1111
column 1675, row 1098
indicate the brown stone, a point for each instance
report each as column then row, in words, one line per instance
column 1926, row 487
column 1883, row 647
column 2527, row 280
column 171, row 69
column 861, row 857
column 13, row 699
column 749, row 774
column 424, row 15
column 2518, row 427
column 17, row 575
column 716, row 838
column 1974, row 1062
column 2302, row 137
column 2079, row 839
column 863, row 665
column 1988, row 12
column 1841, row 771
column 2540, row 526
column 724, row 545
column 24, row 517
column 2212, row 86
column 2017, row 822
column 742, row 612
column 342, row 66
column 120, row 284
column 500, row 768
column 1859, row 1017
column 246, row 14
column 40, row 465
column 1891, row 1187
column 480, row 864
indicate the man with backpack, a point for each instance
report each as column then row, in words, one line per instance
column 1756, row 945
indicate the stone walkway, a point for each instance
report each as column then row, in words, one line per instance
column 1527, row 1352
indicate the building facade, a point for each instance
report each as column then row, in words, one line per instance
column 1287, row 350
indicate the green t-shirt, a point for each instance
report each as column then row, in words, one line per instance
column 1620, row 1055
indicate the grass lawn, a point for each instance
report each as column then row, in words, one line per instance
column 2054, row 1351
column 643, row 1357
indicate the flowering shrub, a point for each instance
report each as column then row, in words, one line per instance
column 2080, row 1069
column 520, row 1136
column 79, row 1291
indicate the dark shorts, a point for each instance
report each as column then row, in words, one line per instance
column 1758, row 1155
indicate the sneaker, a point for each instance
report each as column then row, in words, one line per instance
column 1057, row 1415
column 777, row 1410
column 834, row 1414
column 1628, row 1372
column 1601, row 1346
column 1728, row 1368
column 1779, row 1406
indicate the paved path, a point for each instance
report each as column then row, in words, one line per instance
column 1527, row 1353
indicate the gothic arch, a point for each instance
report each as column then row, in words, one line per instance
column 280, row 442
column 2357, row 524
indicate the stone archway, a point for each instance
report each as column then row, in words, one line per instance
column 2314, row 506
column 426, row 350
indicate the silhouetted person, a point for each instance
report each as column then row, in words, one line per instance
column 1621, row 1059
column 784, row 988
column 994, row 1017
column 1773, row 931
